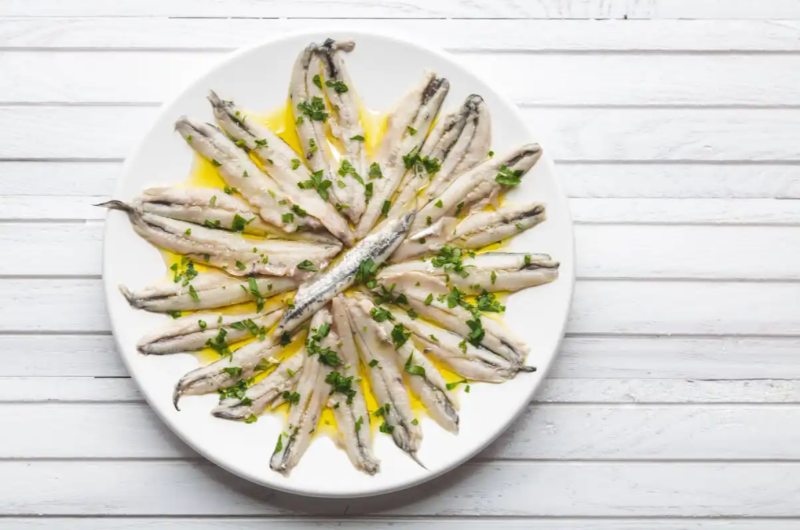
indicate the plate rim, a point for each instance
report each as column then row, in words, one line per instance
column 312, row 34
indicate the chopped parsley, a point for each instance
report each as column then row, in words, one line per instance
column 312, row 146
column 338, row 86
column 260, row 143
column 325, row 354
column 439, row 203
column 366, row 273
column 387, row 205
column 348, row 169
column 174, row 314
column 413, row 315
column 286, row 339
column 368, row 190
column 219, row 344
column 400, row 335
column 240, row 265
column 373, row 363
column 413, row 369
column 508, row 177
column 451, row 386
column 381, row 315
column 316, row 182
column 279, row 445
column 239, row 223
column 359, row 422
column 488, row 302
column 295, row 163
column 386, row 428
column 215, row 162
column 317, row 81
column 307, row 265
column 299, row 211
column 251, row 282
column 459, row 207
column 375, row 171
column 357, row 138
column 193, row 293
column 233, row 371
column 341, row 384
column 315, row 109
column 202, row 324
column 411, row 130
column 450, row 258
column 287, row 218
column 429, row 299
column 494, row 277
column 252, row 418
column 292, row 398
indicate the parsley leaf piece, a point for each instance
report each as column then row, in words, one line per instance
column 413, row 369
column 508, row 177
column 381, row 315
column 307, row 265
column 315, row 109
column 400, row 335
column 337, row 86
column 375, row 171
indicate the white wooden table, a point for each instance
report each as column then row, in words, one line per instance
column 675, row 402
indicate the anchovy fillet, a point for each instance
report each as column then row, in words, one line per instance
column 243, row 174
column 478, row 230
column 231, row 252
column 459, row 141
column 190, row 333
column 304, row 415
column 417, row 288
column 314, row 295
column 387, row 381
column 281, row 163
column 477, row 187
column 352, row 416
column 408, row 126
column 491, row 271
column 259, row 396
column 345, row 125
column 213, row 288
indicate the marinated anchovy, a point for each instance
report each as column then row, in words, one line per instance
column 455, row 352
column 458, row 142
column 386, row 380
column 491, row 271
column 241, row 173
column 345, row 125
column 350, row 409
column 281, row 163
column 314, row 295
column 211, row 289
column 399, row 149
column 428, row 296
column 192, row 333
column 479, row 186
column 421, row 375
column 476, row 231
column 313, row 392
column 231, row 252
column 258, row 397
column 236, row 366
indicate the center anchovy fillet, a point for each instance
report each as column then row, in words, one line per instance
column 282, row 164
column 312, row 296
column 239, row 172
column 459, row 141
column 231, row 252
column 478, row 230
column 352, row 416
column 477, row 187
column 213, row 289
column 386, row 380
column 491, row 271
column 408, row 125
column 191, row 333
column 346, row 126
column 313, row 393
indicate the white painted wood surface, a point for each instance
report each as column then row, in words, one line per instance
column 675, row 401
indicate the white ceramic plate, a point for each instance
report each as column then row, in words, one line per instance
column 257, row 78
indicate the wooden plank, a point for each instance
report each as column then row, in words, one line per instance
column 619, row 9
column 529, row 78
column 578, row 179
column 599, row 307
column 557, row 489
column 59, row 389
column 543, row 432
column 454, row 34
column 606, row 251
column 570, row 134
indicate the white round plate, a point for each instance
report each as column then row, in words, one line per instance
column 257, row 78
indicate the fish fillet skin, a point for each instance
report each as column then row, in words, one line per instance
column 241, row 173
column 190, row 333
column 459, row 141
column 316, row 294
column 282, row 164
column 415, row 112
column 230, row 252
column 490, row 271
column 345, row 123
column 476, row 188
column 476, row 231
column 214, row 289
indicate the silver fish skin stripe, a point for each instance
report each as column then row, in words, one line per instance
column 241, row 173
column 387, row 382
column 214, row 289
column 304, row 415
column 316, row 294
column 345, row 125
column 191, row 332
column 490, row 271
column 230, row 252
column 241, row 364
column 477, row 187
column 415, row 112
column 476, row 231
column 459, row 141
column 468, row 361
column 259, row 396
column 282, row 164
column 417, row 287
column 311, row 133
column 429, row 385
column 352, row 419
